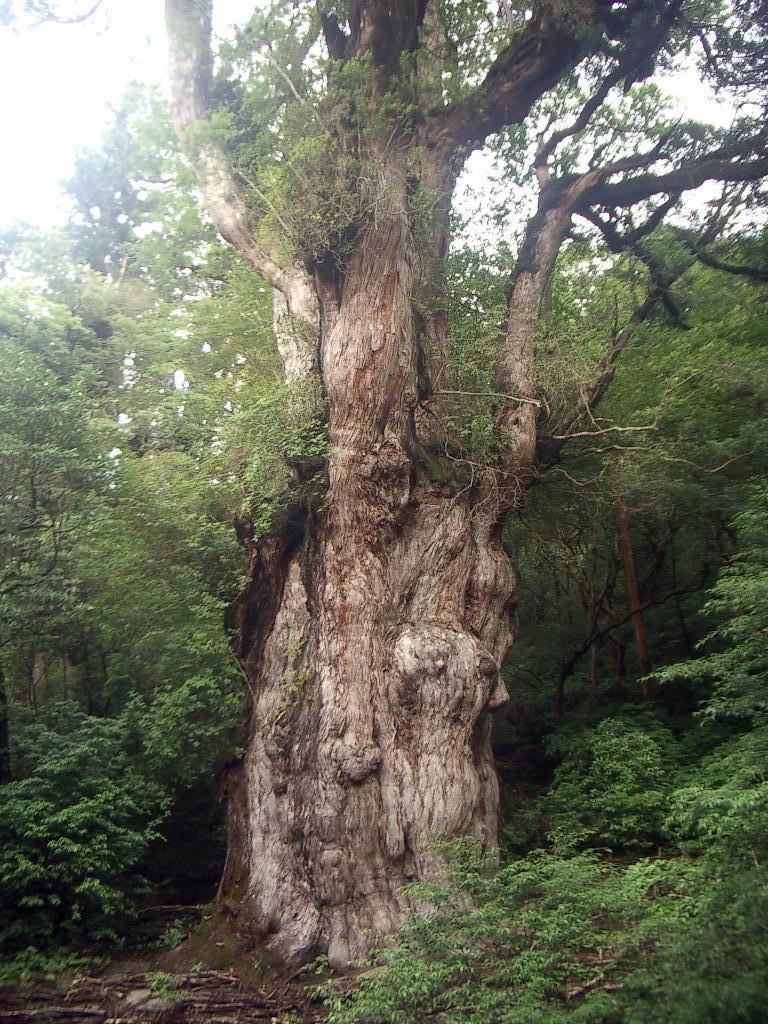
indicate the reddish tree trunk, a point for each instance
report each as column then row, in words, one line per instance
column 372, row 644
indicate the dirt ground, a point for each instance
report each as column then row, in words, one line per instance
column 187, row 966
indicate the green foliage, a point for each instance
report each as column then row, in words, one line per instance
column 133, row 211
column 722, row 805
column 613, row 785
column 164, row 986
column 546, row 939
column 186, row 731
column 118, row 688
column 27, row 967
column 475, row 307
column 553, row 939
column 75, row 826
column 174, row 935
column 292, row 447
column 738, row 658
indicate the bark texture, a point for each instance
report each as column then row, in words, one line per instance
column 373, row 661
column 372, row 629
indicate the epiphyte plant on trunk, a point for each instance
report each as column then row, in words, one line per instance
column 327, row 146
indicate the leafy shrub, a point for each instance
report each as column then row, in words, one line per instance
column 722, row 804
column 613, row 785
column 185, row 730
column 710, row 959
column 553, row 939
column 73, row 832
column 31, row 964
column 545, row 939
column 736, row 662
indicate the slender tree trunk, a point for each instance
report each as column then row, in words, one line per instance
column 684, row 631
column 37, row 679
column 5, row 740
column 619, row 658
column 594, row 675
column 633, row 596
column 372, row 640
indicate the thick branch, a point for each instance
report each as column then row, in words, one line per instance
column 688, row 176
column 517, row 423
column 384, row 29
column 618, row 242
column 336, row 39
column 633, row 62
column 189, row 36
column 662, row 279
column 739, row 269
column 514, row 373
column 532, row 63
column 536, row 59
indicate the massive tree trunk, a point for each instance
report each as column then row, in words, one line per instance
column 372, row 643
column 373, row 628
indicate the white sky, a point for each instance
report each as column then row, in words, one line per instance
column 57, row 82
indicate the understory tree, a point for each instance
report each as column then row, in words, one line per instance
column 327, row 142
column 118, row 688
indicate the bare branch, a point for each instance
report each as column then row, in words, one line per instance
column 189, row 36
column 509, row 15
column 739, row 269
column 283, row 74
column 593, row 394
column 491, row 394
column 688, row 176
column 705, row 469
column 596, row 99
column 605, row 430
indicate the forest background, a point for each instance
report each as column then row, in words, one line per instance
column 144, row 418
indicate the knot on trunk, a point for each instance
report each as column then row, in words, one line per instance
column 387, row 463
column 447, row 670
column 355, row 763
column 499, row 695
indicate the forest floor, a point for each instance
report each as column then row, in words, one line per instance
column 208, row 977
column 212, row 997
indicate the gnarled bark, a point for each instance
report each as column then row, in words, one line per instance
column 372, row 742
column 374, row 663
column 373, row 628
